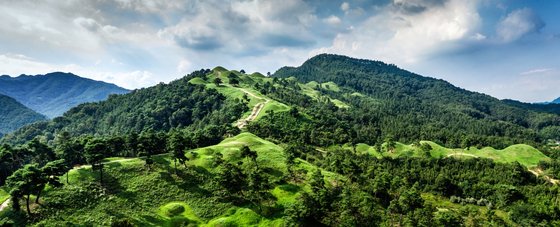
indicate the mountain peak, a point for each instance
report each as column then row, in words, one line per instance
column 54, row 93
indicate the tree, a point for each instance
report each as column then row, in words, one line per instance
column 95, row 151
column 64, row 149
column 150, row 143
column 234, row 81
column 232, row 178
column 24, row 182
column 242, row 71
column 176, row 144
column 317, row 181
column 290, row 153
column 390, row 143
column 50, row 174
column 40, row 151
column 217, row 81
column 251, row 154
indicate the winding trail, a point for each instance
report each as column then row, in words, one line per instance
column 120, row 160
column 255, row 112
column 461, row 154
column 538, row 172
column 4, row 205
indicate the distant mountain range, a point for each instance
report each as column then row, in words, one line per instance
column 379, row 100
column 556, row 101
column 54, row 93
column 14, row 115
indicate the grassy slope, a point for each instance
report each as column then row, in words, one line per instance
column 146, row 196
column 159, row 197
column 237, row 92
column 310, row 90
column 3, row 195
column 522, row 153
column 443, row 204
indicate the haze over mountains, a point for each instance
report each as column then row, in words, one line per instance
column 53, row 94
column 14, row 115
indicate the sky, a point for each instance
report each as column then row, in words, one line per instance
column 504, row 48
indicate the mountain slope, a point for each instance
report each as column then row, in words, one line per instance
column 14, row 115
column 162, row 107
column 305, row 160
column 556, row 101
column 397, row 103
column 54, row 93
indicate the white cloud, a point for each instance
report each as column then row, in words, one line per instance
column 405, row 38
column 478, row 37
column 140, row 42
column 13, row 64
column 536, row 85
column 536, row 71
column 519, row 23
column 345, row 6
column 333, row 20
column 184, row 66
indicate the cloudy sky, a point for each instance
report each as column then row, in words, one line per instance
column 505, row 48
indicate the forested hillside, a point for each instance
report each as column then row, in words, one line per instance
column 409, row 107
column 335, row 142
column 179, row 104
column 53, row 94
column 14, row 115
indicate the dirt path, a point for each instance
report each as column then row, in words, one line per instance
column 4, row 205
column 254, row 113
column 538, row 172
column 462, row 154
column 120, row 160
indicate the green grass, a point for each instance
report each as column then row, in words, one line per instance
column 357, row 94
column 273, row 106
column 244, row 217
column 269, row 154
column 331, row 86
column 232, row 92
column 522, row 153
column 340, row 104
column 197, row 80
column 159, row 197
column 257, row 74
column 178, row 212
column 4, row 195
column 443, row 204
column 309, row 89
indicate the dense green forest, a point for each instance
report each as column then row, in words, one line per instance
column 335, row 142
column 409, row 106
column 179, row 104
column 14, row 115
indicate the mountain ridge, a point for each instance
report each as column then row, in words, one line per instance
column 14, row 115
column 52, row 94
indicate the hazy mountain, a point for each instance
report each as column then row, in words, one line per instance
column 14, row 115
column 55, row 93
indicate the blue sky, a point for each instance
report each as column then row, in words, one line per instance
column 505, row 48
